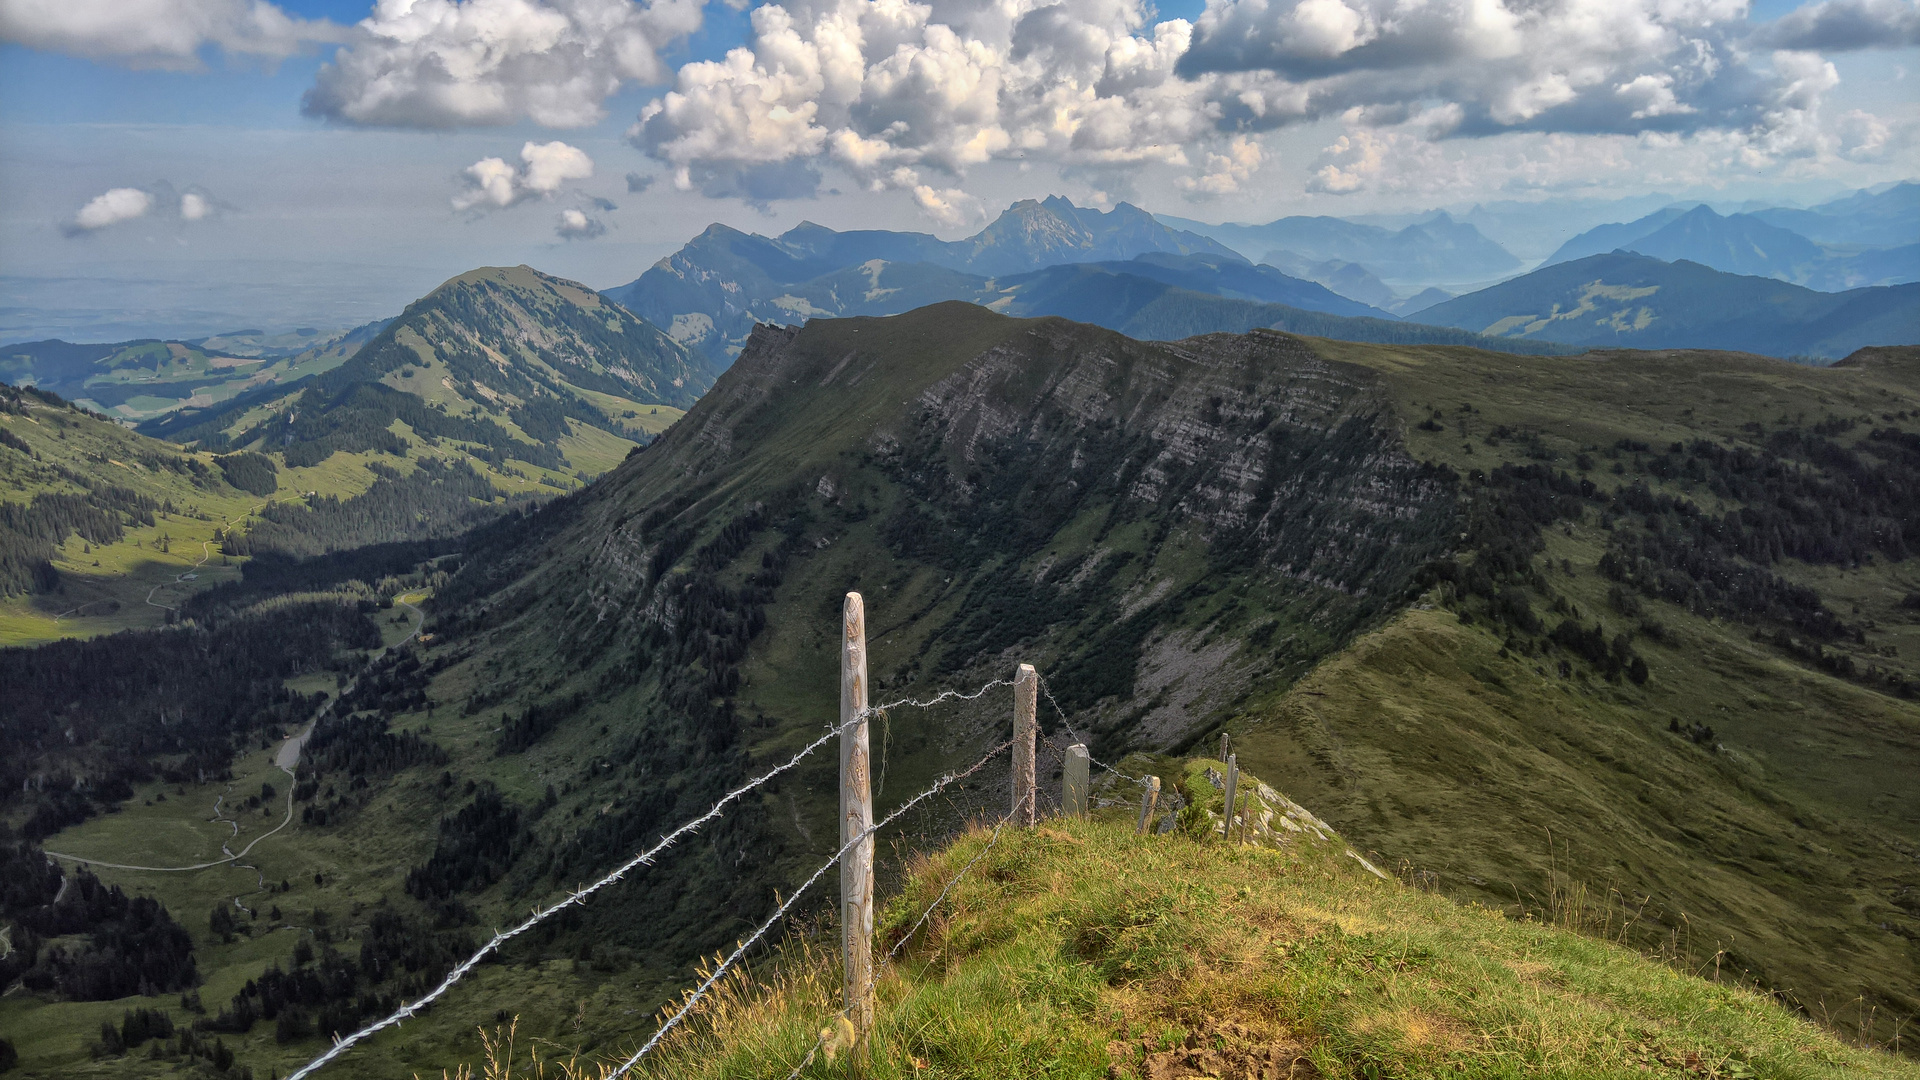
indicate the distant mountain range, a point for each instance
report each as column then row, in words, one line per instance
column 1435, row 250
column 1765, row 244
column 1346, row 278
column 711, row 293
column 1627, row 300
column 1889, row 218
column 686, row 317
column 1124, row 270
column 148, row 378
column 1120, row 269
column 1147, row 299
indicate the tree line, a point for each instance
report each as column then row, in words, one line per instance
column 436, row 500
column 1799, row 495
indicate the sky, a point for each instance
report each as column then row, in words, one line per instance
column 185, row 167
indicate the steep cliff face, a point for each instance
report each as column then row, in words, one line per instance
column 959, row 439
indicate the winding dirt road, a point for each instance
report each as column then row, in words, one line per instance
column 286, row 759
column 206, row 553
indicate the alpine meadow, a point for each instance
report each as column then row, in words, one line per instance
column 581, row 539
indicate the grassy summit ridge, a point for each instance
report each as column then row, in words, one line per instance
column 1078, row 949
column 502, row 357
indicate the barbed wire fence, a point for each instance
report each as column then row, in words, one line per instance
column 1154, row 799
column 992, row 839
column 646, row 858
column 693, row 999
column 855, row 855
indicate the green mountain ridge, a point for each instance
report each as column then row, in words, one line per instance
column 492, row 341
column 504, row 385
column 958, row 468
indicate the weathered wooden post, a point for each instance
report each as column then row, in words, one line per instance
column 1074, row 781
column 1026, row 707
column 1223, row 746
column 856, row 819
column 1147, row 800
column 1233, row 780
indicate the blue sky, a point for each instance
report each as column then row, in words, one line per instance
column 187, row 166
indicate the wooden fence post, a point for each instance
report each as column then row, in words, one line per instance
column 1147, row 800
column 1233, row 780
column 1074, row 781
column 1223, row 746
column 856, row 819
column 1026, row 706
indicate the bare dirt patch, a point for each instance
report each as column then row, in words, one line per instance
column 1222, row 1049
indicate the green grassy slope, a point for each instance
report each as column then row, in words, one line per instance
column 497, row 365
column 534, row 383
column 507, row 344
column 1785, row 843
column 141, row 577
column 133, row 581
column 1079, row 949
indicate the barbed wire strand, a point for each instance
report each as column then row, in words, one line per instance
column 818, row 1042
column 1084, row 741
column 938, row 699
column 991, row 840
column 821, row 1040
column 645, row 858
column 720, row 972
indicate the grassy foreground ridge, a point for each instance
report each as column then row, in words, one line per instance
column 1079, row 949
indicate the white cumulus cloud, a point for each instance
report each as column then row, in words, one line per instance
column 1580, row 66
column 492, row 183
column 895, row 92
column 576, row 225
column 1227, row 171
column 911, row 95
column 160, row 33
column 112, row 208
column 123, row 204
column 450, row 63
